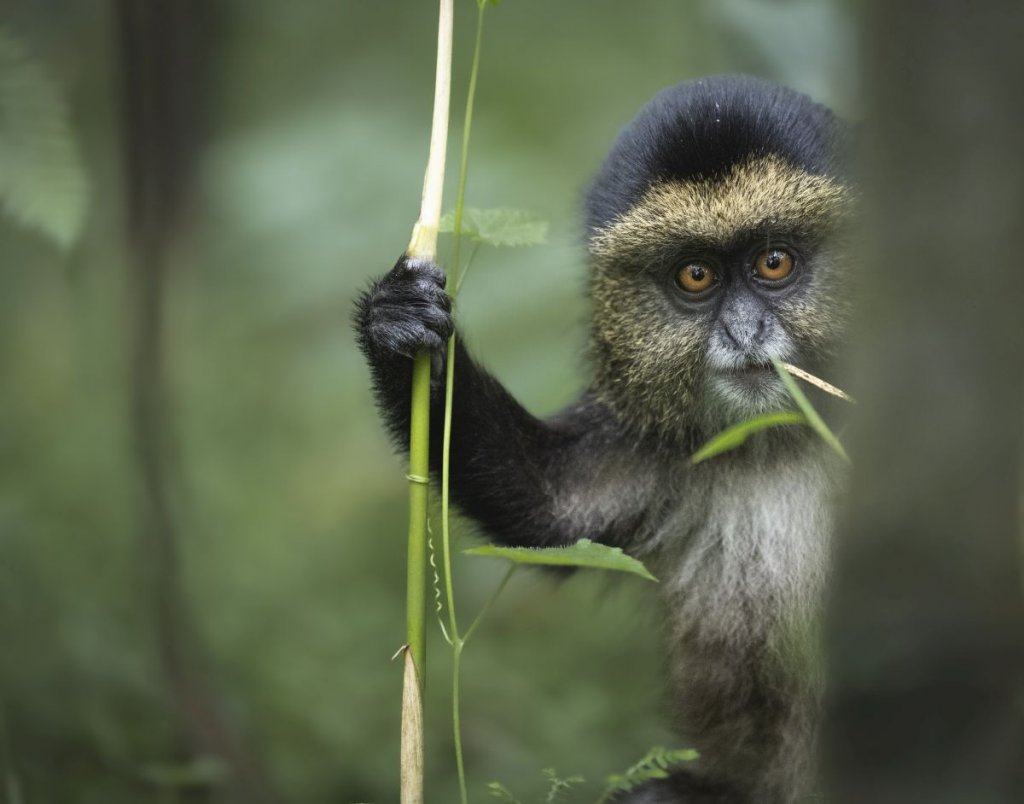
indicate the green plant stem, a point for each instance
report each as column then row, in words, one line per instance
column 424, row 244
column 449, row 389
column 490, row 602
column 467, row 127
column 457, row 646
column 469, row 262
column 460, row 766
column 419, row 472
column 446, row 551
column 457, row 641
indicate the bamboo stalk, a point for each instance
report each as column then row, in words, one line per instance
column 423, row 243
column 412, row 735
column 424, row 234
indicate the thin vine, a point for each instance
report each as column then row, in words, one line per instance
column 458, row 641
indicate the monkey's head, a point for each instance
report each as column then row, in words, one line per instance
column 715, row 229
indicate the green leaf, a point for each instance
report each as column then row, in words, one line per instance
column 42, row 181
column 485, row 3
column 734, row 436
column 499, row 227
column 813, row 419
column 583, row 553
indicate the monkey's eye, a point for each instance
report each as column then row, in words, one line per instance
column 774, row 264
column 695, row 277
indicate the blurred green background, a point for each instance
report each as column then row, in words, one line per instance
column 287, row 502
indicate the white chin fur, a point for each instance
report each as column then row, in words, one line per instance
column 740, row 396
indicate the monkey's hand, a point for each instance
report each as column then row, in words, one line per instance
column 404, row 312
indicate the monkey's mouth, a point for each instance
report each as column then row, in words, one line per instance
column 752, row 378
column 747, row 388
column 750, row 370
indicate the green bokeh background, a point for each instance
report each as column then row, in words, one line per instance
column 289, row 501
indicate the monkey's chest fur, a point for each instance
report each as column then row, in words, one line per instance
column 742, row 554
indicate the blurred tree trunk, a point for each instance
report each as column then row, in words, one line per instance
column 927, row 624
column 165, row 49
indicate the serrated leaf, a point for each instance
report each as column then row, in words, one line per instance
column 813, row 419
column 499, row 227
column 734, row 436
column 499, row 791
column 654, row 765
column 557, row 786
column 682, row 755
column 583, row 553
column 42, row 182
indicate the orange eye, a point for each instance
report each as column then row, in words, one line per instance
column 774, row 264
column 695, row 277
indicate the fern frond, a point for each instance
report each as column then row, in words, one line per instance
column 653, row 765
column 502, row 793
column 557, row 785
column 42, row 179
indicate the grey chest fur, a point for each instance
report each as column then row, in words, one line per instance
column 743, row 554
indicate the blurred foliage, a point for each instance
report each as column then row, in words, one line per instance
column 42, row 183
column 499, row 227
column 288, row 498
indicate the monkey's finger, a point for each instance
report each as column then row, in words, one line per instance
column 421, row 268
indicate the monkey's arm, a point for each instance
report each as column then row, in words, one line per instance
column 516, row 475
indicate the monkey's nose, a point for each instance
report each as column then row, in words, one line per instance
column 745, row 333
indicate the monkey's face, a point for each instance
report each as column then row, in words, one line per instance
column 701, row 284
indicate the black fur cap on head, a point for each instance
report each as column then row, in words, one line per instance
column 698, row 130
